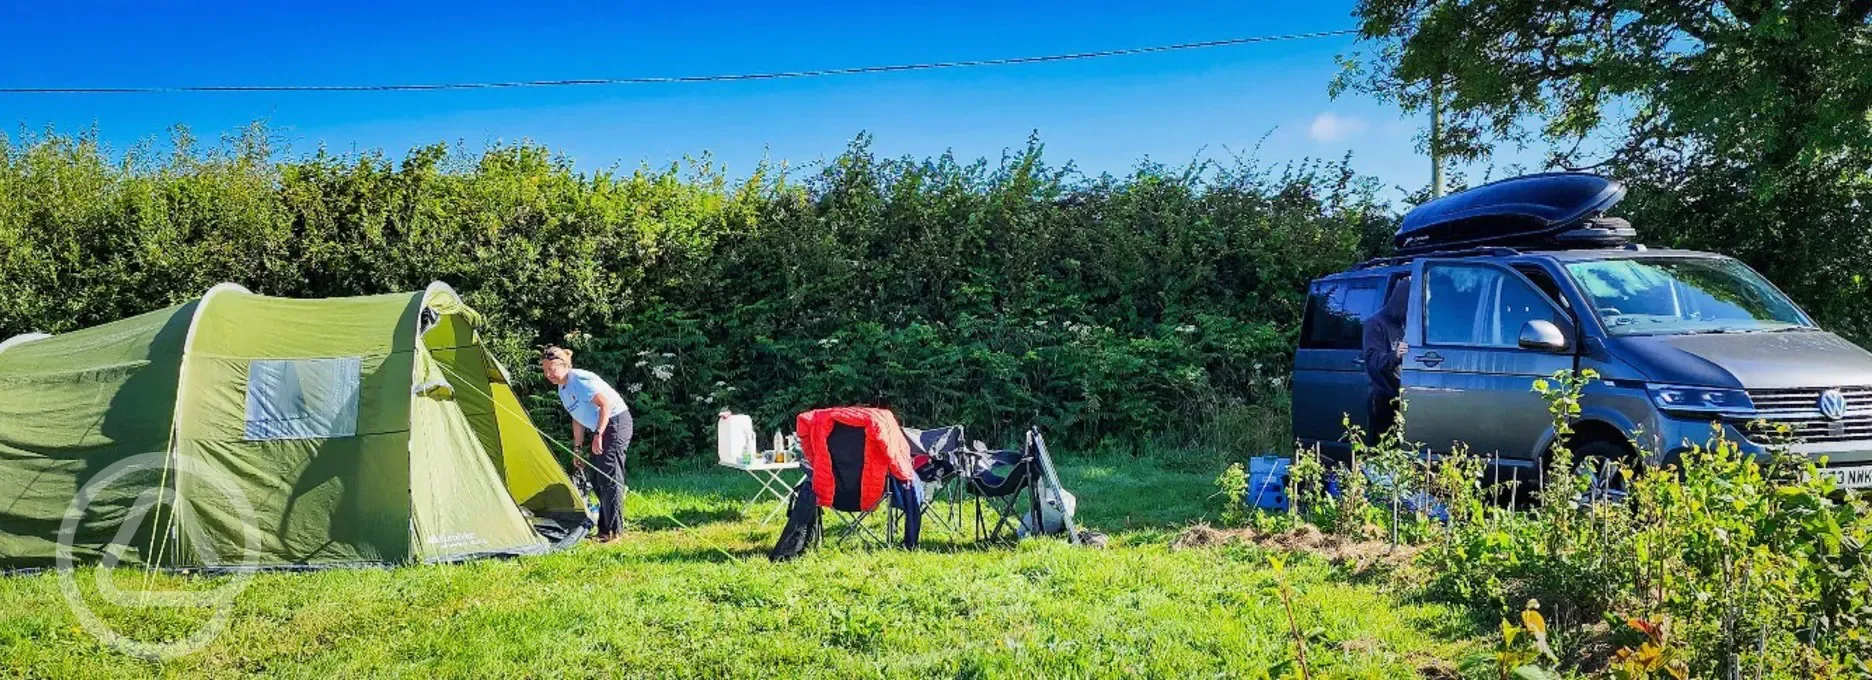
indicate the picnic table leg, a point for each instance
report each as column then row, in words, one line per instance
column 764, row 477
column 767, row 489
column 758, row 496
column 774, row 484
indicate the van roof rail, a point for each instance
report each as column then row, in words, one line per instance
column 1491, row 251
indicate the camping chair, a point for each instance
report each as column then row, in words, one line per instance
column 1002, row 483
column 862, row 458
column 936, row 454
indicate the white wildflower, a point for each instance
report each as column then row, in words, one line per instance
column 662, row 372
column 634, row 388
column 641, row 364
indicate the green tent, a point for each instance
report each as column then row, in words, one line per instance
column 240, row 430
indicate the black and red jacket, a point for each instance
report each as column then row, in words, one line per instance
column 885, row 452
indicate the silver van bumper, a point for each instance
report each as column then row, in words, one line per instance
column 1850, row 462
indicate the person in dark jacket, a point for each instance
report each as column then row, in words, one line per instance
column 1384, row 350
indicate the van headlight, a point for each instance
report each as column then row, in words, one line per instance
column 1700, row 400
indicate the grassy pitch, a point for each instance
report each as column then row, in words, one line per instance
column 688, row 592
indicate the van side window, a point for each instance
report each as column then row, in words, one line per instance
column 1336, row 311
column 1481, row 306
column 1545, row 281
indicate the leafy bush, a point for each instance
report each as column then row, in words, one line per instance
column 994, row 294
column 1232, row 491
column 1722, row 564
column 1725, row 561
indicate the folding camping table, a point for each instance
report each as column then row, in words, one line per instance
column 773, row 485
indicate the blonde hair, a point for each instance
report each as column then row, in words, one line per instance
column 555, row 352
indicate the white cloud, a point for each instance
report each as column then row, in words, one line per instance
column 1332, row 127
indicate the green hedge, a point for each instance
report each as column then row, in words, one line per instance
column 990, row 293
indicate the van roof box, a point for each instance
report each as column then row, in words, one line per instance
column 1555, row 210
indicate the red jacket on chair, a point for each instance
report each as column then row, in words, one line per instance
column 886, row 450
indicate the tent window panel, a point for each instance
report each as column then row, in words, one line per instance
column 303, row 398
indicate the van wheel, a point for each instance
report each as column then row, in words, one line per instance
column 1604, row 462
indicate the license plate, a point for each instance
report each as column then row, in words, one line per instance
column 1858, row 477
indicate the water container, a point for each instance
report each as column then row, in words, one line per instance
column 1267, row 482
column 734, row 439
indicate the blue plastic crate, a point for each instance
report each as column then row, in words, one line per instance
column 1267, row 482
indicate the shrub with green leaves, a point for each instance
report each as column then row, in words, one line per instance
column 1729, row 564
column 1722, row 564
column 994, row 293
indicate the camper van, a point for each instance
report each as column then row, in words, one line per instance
column 1516, row 280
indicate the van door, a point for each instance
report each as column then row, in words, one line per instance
column 1466, row 378
column 1329, row 380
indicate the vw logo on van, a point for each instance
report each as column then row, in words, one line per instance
column 1833, row 404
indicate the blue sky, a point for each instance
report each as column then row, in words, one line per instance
column 1104, row 115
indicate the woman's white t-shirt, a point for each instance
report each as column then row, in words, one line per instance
column 579, row 396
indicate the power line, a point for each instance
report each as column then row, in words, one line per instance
column 667, row 80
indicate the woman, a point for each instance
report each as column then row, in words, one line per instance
column 597, row 409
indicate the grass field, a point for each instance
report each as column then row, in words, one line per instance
column 689, row 592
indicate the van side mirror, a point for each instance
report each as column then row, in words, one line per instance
column 1540, row 334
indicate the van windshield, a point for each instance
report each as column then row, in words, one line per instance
column 1668, row 296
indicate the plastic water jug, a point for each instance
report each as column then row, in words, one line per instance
column 734, row 439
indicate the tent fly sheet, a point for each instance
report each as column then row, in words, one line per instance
column 242, row 431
